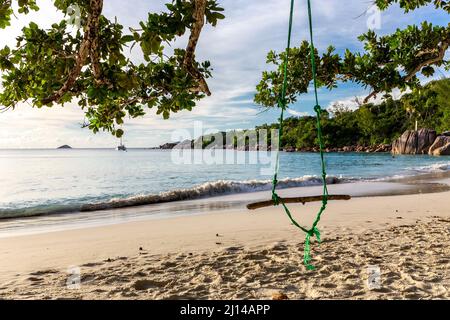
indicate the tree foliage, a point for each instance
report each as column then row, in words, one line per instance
column 299, row 74
column 91, row 67
column 409, row 5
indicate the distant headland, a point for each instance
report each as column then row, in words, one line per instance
column 64, row 147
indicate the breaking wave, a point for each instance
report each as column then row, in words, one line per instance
column 436, row 167
column 205, row 190
column 209, row 189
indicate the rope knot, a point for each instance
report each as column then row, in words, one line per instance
column 317, row 109
column 314, row 232
column 275, row 199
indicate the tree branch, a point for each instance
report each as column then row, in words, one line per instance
column 439, row 58
column 94, row 47
column 189, row 57
column 373, row 94
column 441, row 54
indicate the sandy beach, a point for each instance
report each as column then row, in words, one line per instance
column 239, row 254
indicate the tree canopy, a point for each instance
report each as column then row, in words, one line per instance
column 387, row 62
column 90, row 66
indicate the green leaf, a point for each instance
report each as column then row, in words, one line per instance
column 119, row 133
column 127, row 38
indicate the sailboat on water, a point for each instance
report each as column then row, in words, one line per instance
column 121, row 146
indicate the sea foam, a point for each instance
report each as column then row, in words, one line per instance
column 209, row 189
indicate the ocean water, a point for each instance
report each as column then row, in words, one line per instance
column 36, row 182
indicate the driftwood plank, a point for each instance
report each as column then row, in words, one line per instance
column 303, row 200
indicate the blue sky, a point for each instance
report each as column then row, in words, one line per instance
column 237, row 48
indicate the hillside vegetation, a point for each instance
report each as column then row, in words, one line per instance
column 371, row 124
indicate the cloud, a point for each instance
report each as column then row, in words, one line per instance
column 297, row 113
column 354, row 102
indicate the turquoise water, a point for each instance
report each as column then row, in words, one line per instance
column 47, row 181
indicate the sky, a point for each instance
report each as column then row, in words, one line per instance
column 237, row 48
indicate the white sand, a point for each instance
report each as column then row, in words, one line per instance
column 256, row 254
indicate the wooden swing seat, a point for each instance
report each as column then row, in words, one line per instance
column 302, row 200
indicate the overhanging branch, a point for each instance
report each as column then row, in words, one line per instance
column 94, row 46
column 86, row 48
column 373, row 94
column 428, row 62
column 189, row 58
column 441, row 54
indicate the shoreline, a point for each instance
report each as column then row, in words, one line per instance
column 138, row 259
column 420, row 184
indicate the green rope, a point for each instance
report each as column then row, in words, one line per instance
column 313, row 231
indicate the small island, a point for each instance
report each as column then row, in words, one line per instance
column 64, row 147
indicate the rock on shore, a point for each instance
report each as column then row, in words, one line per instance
column 168, row 146
column 414, row 142
column 190, row 144
column 423, row 141
column 440, row 147
column 355, row 148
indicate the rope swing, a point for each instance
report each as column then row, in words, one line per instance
column 276, row 199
